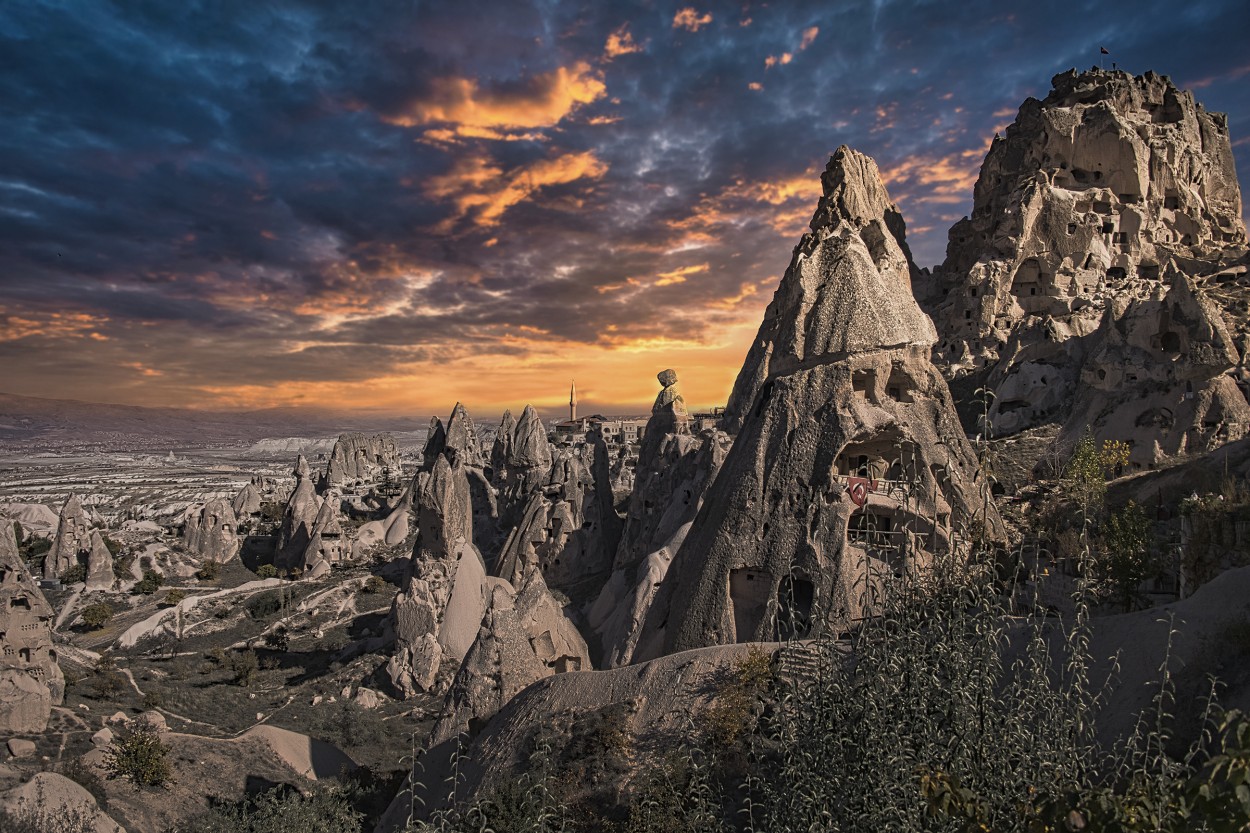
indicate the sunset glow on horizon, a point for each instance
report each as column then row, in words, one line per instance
column 247, row 206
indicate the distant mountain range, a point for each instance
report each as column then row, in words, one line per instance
column 29, row 423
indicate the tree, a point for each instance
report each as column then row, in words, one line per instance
column 96, row 616
column 140, row 756
column 150, row 583
column 1125, row 559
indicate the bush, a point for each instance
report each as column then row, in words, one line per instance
column 40, row 818
column 173, row 597
column 279, row 639
column 112, row 546
column 139, row 756
column 280, row 810
column 97, row 615
column 85, row 777
column 263, row 605
column 74, row 574
column 267, row 571
column 107, row 682
column 150, row 583
column 152, row 700
column 209, row 571
column 244, row 666
column 375, row 584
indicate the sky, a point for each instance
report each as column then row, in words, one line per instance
column 389, row 207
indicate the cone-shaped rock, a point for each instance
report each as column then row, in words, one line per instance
column 247, row 502
column 461, row 443
column 72, row 540
column 839, row 413
column 211, row 532
column 501, row 449
column 298, row 518
column 99, row 564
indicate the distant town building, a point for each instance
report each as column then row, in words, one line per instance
column 616, row 431
column 704, row 420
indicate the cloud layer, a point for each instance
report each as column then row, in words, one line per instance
column 245, row 204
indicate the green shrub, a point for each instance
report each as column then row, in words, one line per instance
column 150, row 583
column 84, row 776
column 267, row 571
column 209, row 571
column 280, row 810
column 39, row 817
column 106, row 681
column 375, row 584
column 112, row 546
column 152, row 700
column 173, row 597
column 139, row 756
column 97, row 615
column 279, row 639
column 244, row 666
column 264, row 605
column 74, row 574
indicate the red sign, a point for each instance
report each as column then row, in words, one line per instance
column 858, row 488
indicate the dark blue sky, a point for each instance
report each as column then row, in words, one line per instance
column 394, row 205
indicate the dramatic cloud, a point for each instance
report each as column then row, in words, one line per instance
column 688, row 18
column 243, row 205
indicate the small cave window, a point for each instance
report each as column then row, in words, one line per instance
column 1108, row 228
column 1101, row 207
column 1170, row 342
column 967, row 313
column 1119, row 237
column 794, row 608
column 1172, row 202
column 1116, row 273
column 1071, row 228
column 1149, row 271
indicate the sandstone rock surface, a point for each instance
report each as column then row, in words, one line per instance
column 30, row 679
column 211, row 533
column 849, row 465
column 1073, row 280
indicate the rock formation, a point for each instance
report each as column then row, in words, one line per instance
column 524, row 637
column 211, row 533
column 439, row 609
column 327, row 545
column 1084, row 216
column 99, row 565
column 30, row 679
column 849, row 465
column 435, row 442
column 501, row 449
column 247, row 503
column 357, row 459
column 666, row 497
column 72, row 540
column 298, row 518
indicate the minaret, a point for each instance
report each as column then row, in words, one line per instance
column 573, row 401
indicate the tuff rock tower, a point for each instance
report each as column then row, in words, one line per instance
column 849, row 464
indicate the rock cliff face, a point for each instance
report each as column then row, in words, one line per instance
column 849, row 465
column 358, row 459
column 30, row 679
column 1092, row 219
column 211, row 533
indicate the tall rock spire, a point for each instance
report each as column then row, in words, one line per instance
column 849, row 465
